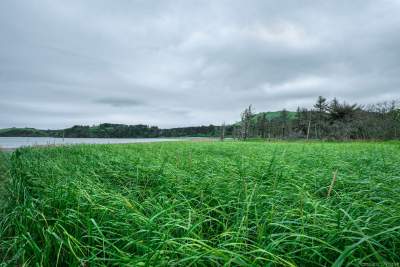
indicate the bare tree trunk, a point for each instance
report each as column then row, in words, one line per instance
column 316, row 132
column 308, row 129
column 223, row 132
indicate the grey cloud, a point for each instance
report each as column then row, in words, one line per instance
column 120, row 102
column 175, row 63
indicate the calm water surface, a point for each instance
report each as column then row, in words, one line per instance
column 15, row 142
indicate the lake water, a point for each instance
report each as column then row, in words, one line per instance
column 15, row 142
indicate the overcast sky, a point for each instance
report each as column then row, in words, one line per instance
column 178, row 63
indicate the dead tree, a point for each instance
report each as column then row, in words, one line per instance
column 246, row 123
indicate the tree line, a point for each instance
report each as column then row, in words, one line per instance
column 326, row 120
column 109, row 130
column 329, row 120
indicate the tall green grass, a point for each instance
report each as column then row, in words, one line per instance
column 203, row 204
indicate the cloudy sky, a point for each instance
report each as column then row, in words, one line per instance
column 176, row 63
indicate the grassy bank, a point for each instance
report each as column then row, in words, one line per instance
column 204, row 204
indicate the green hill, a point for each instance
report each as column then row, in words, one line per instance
column 276, row 114
column 272, row 115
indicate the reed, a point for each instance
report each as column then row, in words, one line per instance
column 332, row 183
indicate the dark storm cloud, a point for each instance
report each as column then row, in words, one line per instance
column 174, row 63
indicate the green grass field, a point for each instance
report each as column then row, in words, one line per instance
column 203, row 204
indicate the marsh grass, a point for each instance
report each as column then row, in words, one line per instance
column 203, row 204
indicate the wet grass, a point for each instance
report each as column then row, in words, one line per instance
column 204, row 204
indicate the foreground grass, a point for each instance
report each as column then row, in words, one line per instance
column 204, row 204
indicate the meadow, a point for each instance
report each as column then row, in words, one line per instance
column 203, row 204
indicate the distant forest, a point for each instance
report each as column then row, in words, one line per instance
column 110, row 130
column 328, row 120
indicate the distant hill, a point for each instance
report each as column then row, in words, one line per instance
column 276, row 114
column 271, row 115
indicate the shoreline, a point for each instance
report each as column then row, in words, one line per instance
column 8, row 149
column 191, row 139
